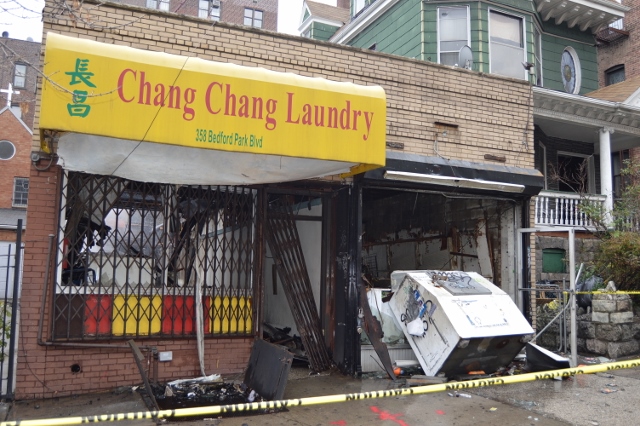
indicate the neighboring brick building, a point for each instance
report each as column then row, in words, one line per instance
column 466, row 127
column 258, row 14
column 15, row 166
column 16, row 123
column 617, row 47
column 17, row 56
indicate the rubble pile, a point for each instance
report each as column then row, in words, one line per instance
column 197, row 394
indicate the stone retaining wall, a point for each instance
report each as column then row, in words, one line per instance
column 611, row 329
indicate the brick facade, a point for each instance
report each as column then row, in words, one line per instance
column 231, row 11
column 14, row 131
column 492, row 114
column 14, row 52
column 623, row 51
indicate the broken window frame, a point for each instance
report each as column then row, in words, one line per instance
column 114, row 280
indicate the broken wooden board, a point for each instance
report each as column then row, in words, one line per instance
column 374, row 331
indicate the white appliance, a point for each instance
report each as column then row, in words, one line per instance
column 457, row 322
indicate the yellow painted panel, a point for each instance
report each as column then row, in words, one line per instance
column 137, row 316
column 231, row 315
column 121, row 92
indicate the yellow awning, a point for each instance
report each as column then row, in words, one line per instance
column 158, row 117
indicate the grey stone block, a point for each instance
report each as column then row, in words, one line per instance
column 614, row 332
column 621, row 317
column 618, row 349
column 597, row 346
column 587, row 330
column 600, row 317
column 603, row 305
column 624, row 305
column 602, row 296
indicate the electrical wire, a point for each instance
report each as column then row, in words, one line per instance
column 152, row 121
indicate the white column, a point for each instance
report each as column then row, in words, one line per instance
column 606, row 178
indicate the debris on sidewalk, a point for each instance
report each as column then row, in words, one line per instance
column 459, row 394
column 541, row 359
column 421, row 380
column 265, row 380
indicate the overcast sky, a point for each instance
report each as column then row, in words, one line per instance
column 21, row 18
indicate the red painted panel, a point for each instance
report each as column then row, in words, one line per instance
column 178, row 315
column 97, row 314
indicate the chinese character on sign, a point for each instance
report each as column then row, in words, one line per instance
column 77, row 108
column 81, row 75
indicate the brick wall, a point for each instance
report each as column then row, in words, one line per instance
column 231, row 11
column 491, row 114
column 23, row 52
column 623, row 51
column 14, row 131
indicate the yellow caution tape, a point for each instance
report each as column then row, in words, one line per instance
column 317, row 400
column 601, row 292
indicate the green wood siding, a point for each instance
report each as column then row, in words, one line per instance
column 320, row 31
column 397, row 31
column 552, row 48
column 306, row 14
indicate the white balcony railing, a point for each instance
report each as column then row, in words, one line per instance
column 563, row 208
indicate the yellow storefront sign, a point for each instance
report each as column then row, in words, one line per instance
column 120, row 92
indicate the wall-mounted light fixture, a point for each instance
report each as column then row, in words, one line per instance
column 455, row 182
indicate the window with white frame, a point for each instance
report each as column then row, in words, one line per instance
column 7, row 150
column 252, row 17
column 20, row 192
column 453, row 33
column 209, row 9
column 15, row 107
column 575, row 173
column 158, row 4
column 20, row 76
column 506, row 38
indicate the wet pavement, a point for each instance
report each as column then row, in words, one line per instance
column 592, row 400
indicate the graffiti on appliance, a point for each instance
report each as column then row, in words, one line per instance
column 416, row 309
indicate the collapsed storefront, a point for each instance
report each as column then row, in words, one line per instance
column 193, row 252
column 161, row 225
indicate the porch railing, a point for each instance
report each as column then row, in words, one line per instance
column 563, row 208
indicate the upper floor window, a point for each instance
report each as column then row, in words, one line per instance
column 618, row 164
column 20, row 192
column 7, row 150
column 20, row 76
column 614, row 75
column 570, row 71
column 209, row 9
column 158, row 4
column 15, row 107
column 453, row 33
column 359, row 5
column 252, row 17
column 506, row 38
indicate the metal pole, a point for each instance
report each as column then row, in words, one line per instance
column 572, row 287
column 14, row 308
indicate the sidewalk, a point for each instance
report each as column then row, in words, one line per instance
column 580, row 400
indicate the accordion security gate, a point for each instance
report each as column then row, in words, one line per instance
column 133, row 257
column 284, row 242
